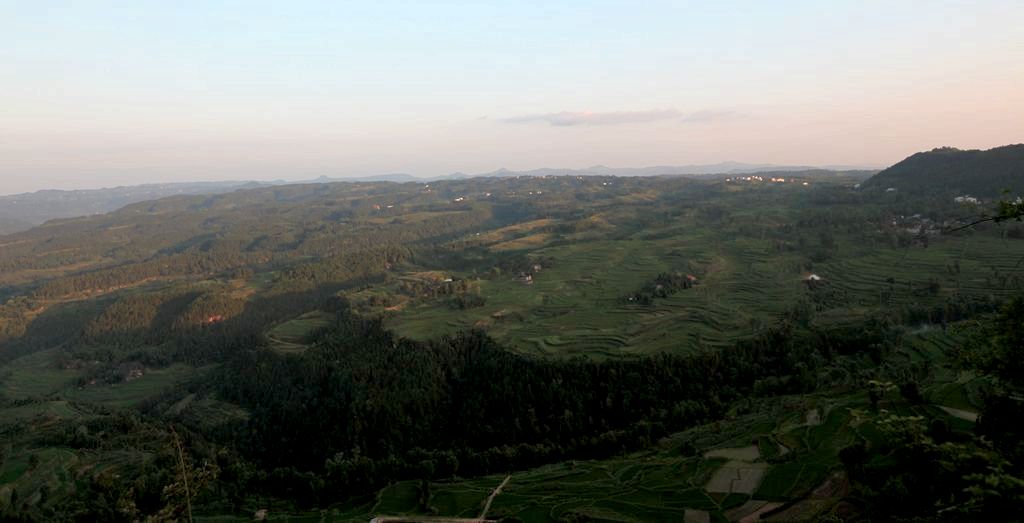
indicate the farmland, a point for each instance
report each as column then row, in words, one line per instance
column 649, row 349
column 577, row 303
column 795, row 454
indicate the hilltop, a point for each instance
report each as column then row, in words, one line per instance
column 951, row 171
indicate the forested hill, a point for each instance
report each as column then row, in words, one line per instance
column 951, row 171
column 19, row 212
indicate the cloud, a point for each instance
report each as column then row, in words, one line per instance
column 709, row 116
column 569, row 118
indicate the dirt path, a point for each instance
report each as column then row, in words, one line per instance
column 490, row 499
column 962, row 414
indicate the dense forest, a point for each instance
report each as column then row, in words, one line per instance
column 951, row 171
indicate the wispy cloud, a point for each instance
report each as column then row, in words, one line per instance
column 710, row 116
column 569, row 118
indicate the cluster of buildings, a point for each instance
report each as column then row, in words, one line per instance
column 770, row 179
column 918, row 225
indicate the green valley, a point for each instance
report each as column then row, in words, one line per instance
column 620, row 348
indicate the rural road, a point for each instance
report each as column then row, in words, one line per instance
column 490, row 499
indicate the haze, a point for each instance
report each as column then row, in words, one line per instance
column 107, row 93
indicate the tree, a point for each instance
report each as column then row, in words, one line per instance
column 1005, row 211
column 188, row 483
column 877, row 390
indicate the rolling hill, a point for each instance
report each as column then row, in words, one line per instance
column 607, row 348
column 951, row 171
column 19, row 212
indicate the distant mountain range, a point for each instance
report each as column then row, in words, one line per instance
column 955, row 172
column 23, row 211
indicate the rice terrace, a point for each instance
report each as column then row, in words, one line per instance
column 599, row 284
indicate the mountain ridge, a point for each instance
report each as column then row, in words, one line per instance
column 19, row 212
column 950, row 171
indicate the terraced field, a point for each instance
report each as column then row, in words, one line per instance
column 578, row 304
column 292, row 337
column 987, row 266
column 35, row 375
column 135, row 391
column 780, row 461
column 593, row 272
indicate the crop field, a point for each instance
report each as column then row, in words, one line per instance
column 44, row 476
column 986, row 266
column 292, row 337
column 35, row 375
column 132, row 392
column 579, row 304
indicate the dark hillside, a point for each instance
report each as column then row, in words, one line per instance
column 951, row 171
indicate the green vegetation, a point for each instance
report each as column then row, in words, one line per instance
column 953, row 172
column 627, row 349
column 294, row 335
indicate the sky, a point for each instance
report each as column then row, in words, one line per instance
column 104, row 93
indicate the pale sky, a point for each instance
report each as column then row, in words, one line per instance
column 102, row 93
